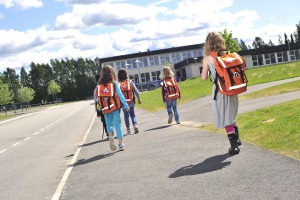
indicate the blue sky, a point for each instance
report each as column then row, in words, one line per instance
column 40, row 30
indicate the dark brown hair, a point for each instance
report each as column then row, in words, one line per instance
column 107, row 75
column 122, row 75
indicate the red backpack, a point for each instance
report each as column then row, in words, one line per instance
column 230, row 74
column 126, row 89
column 171, row 88
column 108, row 99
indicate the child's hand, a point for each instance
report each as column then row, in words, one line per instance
column 127, row 110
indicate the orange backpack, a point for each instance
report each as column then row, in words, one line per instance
column 126, row 89
column 171, row 88
column 230, row 71
column 108, row 99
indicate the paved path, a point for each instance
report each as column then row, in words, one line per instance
column 182, row 162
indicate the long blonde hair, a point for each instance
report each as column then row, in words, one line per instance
column 214, row 43
column 107, row 75
column 167, row 73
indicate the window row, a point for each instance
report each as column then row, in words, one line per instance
column 278, row 57
column 145, row 77
column 155, row 60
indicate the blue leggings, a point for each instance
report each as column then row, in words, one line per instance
column 113, row 120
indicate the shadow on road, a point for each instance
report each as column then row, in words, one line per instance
column 208, row 165
column 95, row 142
column 95, row 158
column 157, row 128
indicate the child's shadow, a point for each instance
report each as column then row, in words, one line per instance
column 208, row 165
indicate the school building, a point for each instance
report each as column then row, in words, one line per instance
column 186, row 61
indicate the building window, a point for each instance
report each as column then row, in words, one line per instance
column 155, row 75
column 175, row 57
column 257, row 60
column 270, row 58
column 134, row 77
column 294, row 54
column 164, row 59
column 153, row 61
column 197, row 53
column 186, row 55
column 120, row 64
column 145, row 77
column 282, row 56
column 144, row 62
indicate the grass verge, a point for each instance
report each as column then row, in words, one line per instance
column 275, row 128
column 195, row 88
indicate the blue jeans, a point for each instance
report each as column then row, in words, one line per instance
column 172, row 105
column 132, row 116
column 113, row 120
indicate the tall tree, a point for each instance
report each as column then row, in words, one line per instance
column 297, row 32
column 280, row 42
column 286, row 40
column 258, row 43
column 243, row 45
column 24, row 79
column 12, row 79
column 53, row 89
column 271, row 43
column 292, row 39
column 6, row 96
column 231, row 44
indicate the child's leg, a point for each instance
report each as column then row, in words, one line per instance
column 233, row 139
column 174, row 107
column 169, row 110
column 109, row 126
column 126, row 118
column 117, row 124
column 132, row 116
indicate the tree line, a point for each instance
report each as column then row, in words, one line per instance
column 66, row 79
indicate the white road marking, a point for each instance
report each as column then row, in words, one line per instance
column 15, row 144
column 42, row 129
column 64, row 179
column 3, row 150
column 15, row 118
column 36, row 133
column 27, row 138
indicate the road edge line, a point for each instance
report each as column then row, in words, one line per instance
column 64, row 179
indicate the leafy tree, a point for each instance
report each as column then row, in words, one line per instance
column 271, row 43
column 53, row 88
column 280, row 42
column 25, row 94
column 297, row 33
column 12, row 80
column 24, row 79
column 6, row 96
column 231, row 44
column 286, row 40
column 258, row 43
column 292, row 39
column 243, row 45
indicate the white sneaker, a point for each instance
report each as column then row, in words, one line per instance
column 112, row 143
column 170, row 118
column 136, row 129
column 122, row 147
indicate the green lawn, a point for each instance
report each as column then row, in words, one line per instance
column 195, row 88
column 275, row 128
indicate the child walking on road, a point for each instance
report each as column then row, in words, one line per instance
column 224, row 108
column 170, row 93
column 129, row 89
column 110, row 99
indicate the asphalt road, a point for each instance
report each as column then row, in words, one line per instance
column 161, row 162
column 36, row 148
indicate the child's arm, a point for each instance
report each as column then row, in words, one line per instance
column 135, row 91
column 205, row 68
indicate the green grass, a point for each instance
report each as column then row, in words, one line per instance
column 278, row 89
column 275, row 128
column 195, row 88
column 2, row 117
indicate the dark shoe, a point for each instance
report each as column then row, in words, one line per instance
column 238, row 136
column 234, row 149
column 136, row 129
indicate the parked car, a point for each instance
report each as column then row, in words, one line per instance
column 146, row 86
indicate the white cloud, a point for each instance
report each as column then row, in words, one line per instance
column 111, row 29
column 22, row 3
